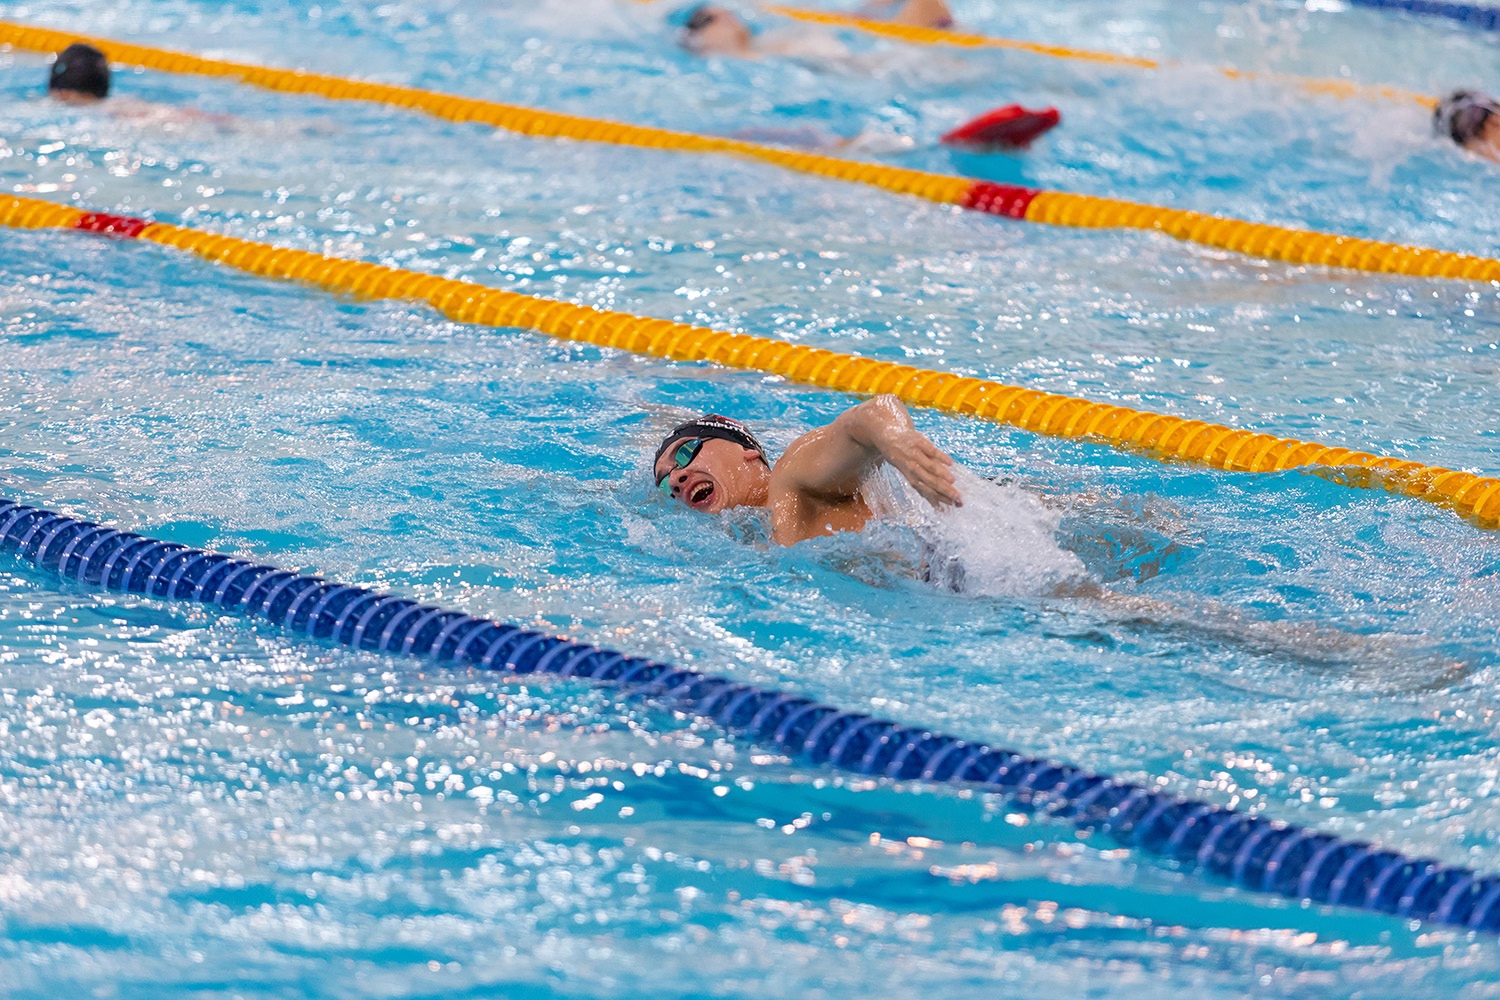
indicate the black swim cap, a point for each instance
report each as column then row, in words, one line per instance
column 711, row 425
column 80, row 69
column 1462, row 115
column 694, row 17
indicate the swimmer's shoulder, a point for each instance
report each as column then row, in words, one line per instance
column 797, row 514
column 794, row 512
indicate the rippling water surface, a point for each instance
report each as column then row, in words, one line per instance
column 192, row 805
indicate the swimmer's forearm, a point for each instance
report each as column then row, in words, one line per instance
column 883, row 428
column 833, row 461
column 876, row 424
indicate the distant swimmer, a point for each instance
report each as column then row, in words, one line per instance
column 708, row 29
column 79, row 75
column 1471, row 119
column 714, row 463
column 1011, row 129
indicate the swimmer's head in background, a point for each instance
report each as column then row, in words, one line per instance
column 1463, row 114
column 710, row 425
column 693, row 17
column 707, row 28
column 80, row 70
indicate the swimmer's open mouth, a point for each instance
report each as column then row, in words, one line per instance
column 700, row 494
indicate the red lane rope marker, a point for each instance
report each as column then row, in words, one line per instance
column 1007, row 200
column 125, row 226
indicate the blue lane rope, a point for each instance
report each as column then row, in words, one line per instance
column 1248, row 851
column 1484, row 18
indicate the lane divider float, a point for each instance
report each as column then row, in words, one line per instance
column 1250, row 851
column 1158, row 435
column 1058, row 208
column 960, row 39
column 1484, row 18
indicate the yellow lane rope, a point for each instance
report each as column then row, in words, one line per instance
column 1057, row 208
column 1161, row 436
column 959, row 39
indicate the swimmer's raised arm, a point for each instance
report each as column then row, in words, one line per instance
column 831, row 462
column 714, row 463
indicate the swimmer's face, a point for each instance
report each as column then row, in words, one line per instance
column 721, row 475
column 1487, row 142
column 716, row 31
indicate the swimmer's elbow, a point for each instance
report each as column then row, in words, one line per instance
column 866, row 423
column 884, row 408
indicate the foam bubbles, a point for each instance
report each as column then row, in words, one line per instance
column 1001, row 542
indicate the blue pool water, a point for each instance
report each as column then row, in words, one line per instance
column 202, row 806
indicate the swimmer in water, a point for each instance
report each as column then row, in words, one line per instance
column 714, row 463
column 1472, row 120
column 819, row 487
column 712, row 30
column 79, row 75
column 708, row 29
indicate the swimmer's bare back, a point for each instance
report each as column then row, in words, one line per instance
column 912, row 13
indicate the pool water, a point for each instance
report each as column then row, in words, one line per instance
column 196, row 805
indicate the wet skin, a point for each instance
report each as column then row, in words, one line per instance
column 718, row 31
column 1487, row 142
column 814, row 489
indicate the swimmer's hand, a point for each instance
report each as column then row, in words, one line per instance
column 927, row 467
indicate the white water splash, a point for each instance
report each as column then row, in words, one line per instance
column 1001, row 542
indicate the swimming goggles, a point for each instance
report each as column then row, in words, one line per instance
column 682, row 457
column 1462, row 115
column 1469, row 122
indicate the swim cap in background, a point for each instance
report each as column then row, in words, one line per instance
column 80, row 69
column 696, row 16
column 711, row 425
column 1462, row 115
column 1010, row 127
column 686, row 17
